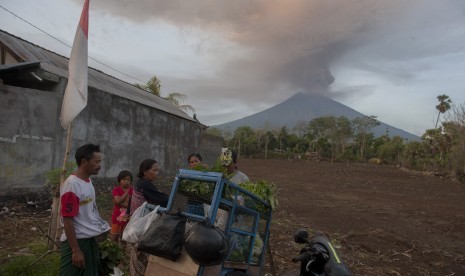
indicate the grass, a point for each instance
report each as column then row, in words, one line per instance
column 19, row 265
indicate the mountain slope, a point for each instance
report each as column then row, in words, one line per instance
column 306, row 107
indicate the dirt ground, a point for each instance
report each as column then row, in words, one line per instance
column 383, row 220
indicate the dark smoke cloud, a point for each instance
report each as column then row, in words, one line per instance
column 290, row 45
column 290, row 41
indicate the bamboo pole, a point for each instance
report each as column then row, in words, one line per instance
column 55, row 224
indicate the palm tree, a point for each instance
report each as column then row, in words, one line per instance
column 177, row 99
column 153, row 86
column 443, row 106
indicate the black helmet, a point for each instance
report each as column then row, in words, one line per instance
column 206, row 244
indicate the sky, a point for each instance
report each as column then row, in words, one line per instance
column 235, row 58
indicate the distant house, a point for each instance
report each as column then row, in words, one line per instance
column 129, row 123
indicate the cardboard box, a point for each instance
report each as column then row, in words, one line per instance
column 184, row 266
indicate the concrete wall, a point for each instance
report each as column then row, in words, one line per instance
column 210, row 148
column 129, row 133
column 27, row 136
column 33, row 142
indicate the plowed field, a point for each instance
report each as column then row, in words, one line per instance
column 383, row 219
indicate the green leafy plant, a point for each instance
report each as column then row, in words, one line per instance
column 196, row 187
column 203, row 188
column 111, row 255
column 217, row 167
column 263, row 189
column 201, row 167
column 53, row 176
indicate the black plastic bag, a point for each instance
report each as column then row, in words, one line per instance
column 164, row 237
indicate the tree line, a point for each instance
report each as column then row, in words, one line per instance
column 441, row 149
column 339, row 139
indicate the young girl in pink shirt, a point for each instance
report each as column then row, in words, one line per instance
column 121, row 195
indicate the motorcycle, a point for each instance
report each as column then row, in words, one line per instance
column 318, row 257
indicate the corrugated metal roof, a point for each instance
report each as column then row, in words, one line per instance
column 58, row 65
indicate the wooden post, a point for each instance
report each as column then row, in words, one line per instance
column 55, row 223
column 272, row 267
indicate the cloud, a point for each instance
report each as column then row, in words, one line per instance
column 289, row 43
column 276, row 48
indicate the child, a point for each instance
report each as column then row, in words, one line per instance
column 121, row 195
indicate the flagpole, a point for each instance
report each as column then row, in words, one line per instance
column 67, row 150
column 55, row 224
column 74, row 101
column 62, row 180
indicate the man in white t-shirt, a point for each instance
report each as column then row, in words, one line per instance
column 80, row 216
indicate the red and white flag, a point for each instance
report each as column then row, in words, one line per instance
column 75, row 98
